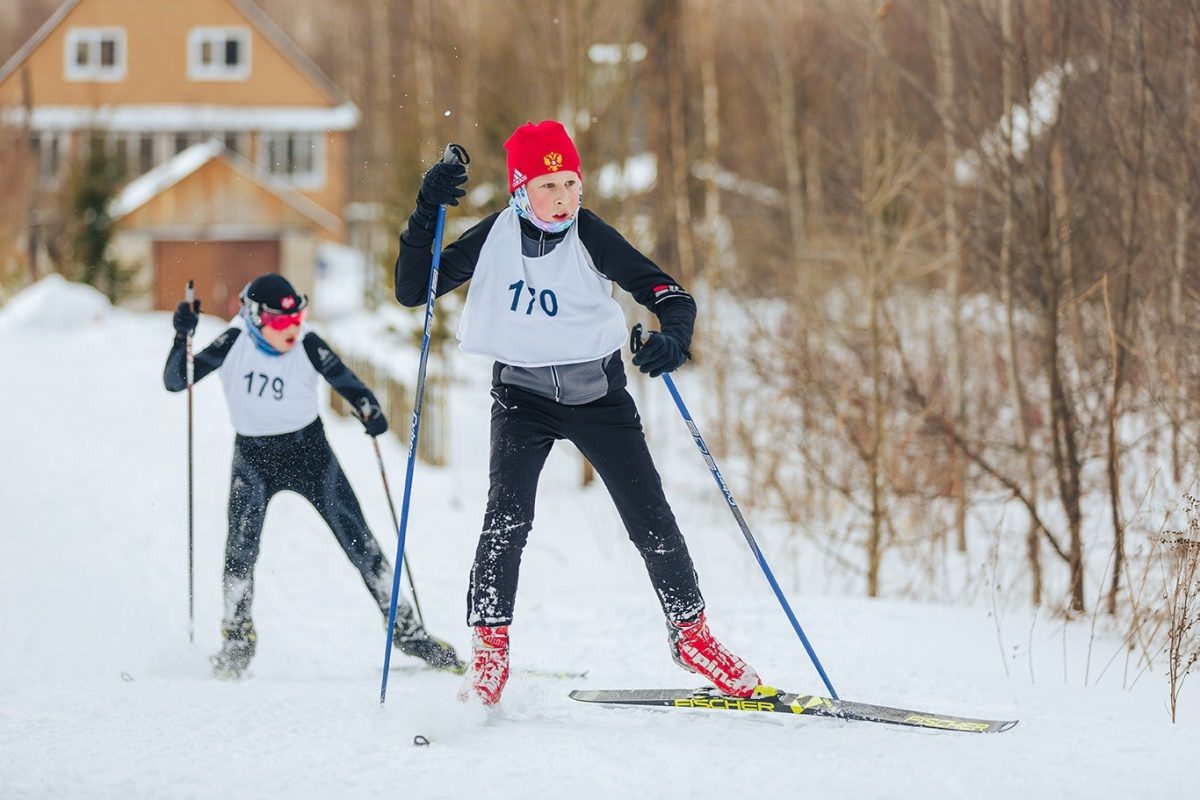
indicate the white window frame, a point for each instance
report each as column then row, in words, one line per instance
column 314, row 179
column 94, row 37
column 217, row 37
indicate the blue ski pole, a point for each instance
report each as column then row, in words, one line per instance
column 190, row 298
column 454, row 154
column 635, row 344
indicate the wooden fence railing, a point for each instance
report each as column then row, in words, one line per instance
column 396, row 399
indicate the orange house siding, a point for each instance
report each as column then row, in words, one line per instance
column 157, row 60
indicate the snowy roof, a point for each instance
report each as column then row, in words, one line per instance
column 174, row 117
column 1028, row 122
column 141, row 191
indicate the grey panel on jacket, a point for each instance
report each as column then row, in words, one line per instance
column 569, row 384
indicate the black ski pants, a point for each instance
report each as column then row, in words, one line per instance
column 301, row 462
column 608, row 432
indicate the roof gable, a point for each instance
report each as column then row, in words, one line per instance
column 208, row 185
column 280, row 72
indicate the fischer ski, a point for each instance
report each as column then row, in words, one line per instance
column 767, row 699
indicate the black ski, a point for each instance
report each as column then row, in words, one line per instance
column 772, row 701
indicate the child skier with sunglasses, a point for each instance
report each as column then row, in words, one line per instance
column 271, row 393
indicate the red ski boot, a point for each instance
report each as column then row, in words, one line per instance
column 694, row 648
column 489, row 664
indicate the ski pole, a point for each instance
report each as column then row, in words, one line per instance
column 635, row 344
column 453, row 154
column 190, row 297
column 387, row 491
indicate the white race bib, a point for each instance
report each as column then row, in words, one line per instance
column 268, row 395
column 538, row 312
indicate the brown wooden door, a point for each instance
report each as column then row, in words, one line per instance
column 220, row 270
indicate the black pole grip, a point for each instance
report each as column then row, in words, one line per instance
column 456, row 154
column 635, row 338
column 189, row 295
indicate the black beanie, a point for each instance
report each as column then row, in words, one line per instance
column 273, row 292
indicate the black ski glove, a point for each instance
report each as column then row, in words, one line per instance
column 187, row 316
column 439, row 187
column 660, row 353
column 371, row 415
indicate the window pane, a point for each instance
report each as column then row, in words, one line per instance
column 306, row 156
column 233, row 141
column 81, row 53
column 120, row 155
column 108, row 53
column 53, row 154
column 182, row 142
column 291, row 155
column 206, row 53
column 145, row 152
column 233, row 52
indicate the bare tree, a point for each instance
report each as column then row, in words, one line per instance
column 958, row 410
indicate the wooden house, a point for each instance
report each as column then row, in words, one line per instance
column 234, row 143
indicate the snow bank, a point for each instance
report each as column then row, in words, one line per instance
column 54, row 304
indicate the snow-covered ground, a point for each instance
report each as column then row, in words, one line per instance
column 102, row 694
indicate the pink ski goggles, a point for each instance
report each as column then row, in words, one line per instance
column 279, row 322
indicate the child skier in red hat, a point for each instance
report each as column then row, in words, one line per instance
column 540, row 304
column 271, row 391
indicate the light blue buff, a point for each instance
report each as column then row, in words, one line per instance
column 256, row 336
column 520, row 201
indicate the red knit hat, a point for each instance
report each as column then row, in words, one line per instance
column 536, row 150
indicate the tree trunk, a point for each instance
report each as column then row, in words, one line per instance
column 954, row 264
column 381, row 98
column 33, row 240
column 789, row 146
column 1122, row 323
column 875, row 174
column 422, row 49
column 1007, row 270
column 677, row 160
column 1183, row 215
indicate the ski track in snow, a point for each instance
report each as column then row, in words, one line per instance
column 102, row 695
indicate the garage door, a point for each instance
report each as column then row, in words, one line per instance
column 220, row 270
